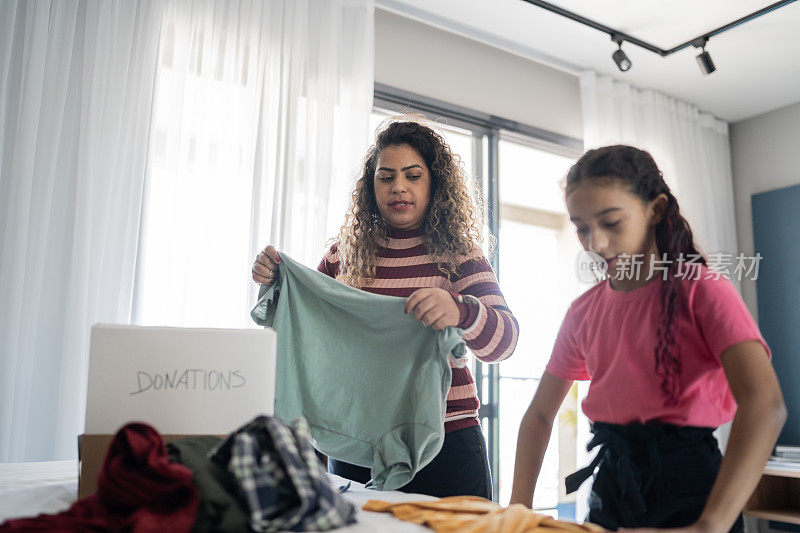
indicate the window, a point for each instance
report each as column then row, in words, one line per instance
column 519, row 170
column 534, row 268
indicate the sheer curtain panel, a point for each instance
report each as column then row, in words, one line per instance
column 148, row 150
column 76, row 88
column 262, row 114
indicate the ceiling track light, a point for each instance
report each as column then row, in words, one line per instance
column 621, row 58
column 704, row 59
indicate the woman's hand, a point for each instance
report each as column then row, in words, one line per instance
column 265, row 269
column 434, row 308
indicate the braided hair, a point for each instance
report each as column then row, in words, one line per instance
column 639, row 172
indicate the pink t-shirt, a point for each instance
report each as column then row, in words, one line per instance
column 609, row 337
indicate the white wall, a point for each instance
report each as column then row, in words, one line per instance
column 425, row 60
column 765, row 151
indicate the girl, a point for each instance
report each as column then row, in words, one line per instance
column 671, row 354
column 412, row 231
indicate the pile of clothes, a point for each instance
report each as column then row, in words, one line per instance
column 263, row 477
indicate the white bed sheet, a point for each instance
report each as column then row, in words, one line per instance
column 369, row 522
column 30, row 489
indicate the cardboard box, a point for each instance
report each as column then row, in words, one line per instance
column 92, row 451
column 181, row 381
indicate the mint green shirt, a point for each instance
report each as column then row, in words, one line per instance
column 371, row 381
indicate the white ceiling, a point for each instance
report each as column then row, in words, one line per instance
column 758, row 63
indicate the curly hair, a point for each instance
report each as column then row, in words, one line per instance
column 451, row 226
column 638, row 171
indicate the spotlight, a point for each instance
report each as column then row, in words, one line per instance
column 620, row 57
column 704, row 59
column 622, row 61
column 705, row 62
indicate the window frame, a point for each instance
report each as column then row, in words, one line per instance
column 487, row 131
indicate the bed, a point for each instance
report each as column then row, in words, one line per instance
column 28, row 489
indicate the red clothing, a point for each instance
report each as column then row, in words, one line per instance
column 138, row 490
column 609, row 337
column 490, row 330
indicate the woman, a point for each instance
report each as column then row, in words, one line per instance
column 412, row 230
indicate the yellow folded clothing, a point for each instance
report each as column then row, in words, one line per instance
column 470, row 514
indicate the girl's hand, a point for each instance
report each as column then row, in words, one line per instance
column 265, row 269
column 434, row 308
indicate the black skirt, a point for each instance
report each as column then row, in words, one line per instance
column 460, row 468
column 650, row 475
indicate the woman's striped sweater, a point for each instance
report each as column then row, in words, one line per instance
column 490, row 330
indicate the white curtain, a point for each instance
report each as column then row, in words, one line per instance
column 691, row 148
column 76, row 86
column 262, row 114
column 123, row 197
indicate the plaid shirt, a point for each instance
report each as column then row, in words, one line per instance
column 280, row 478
